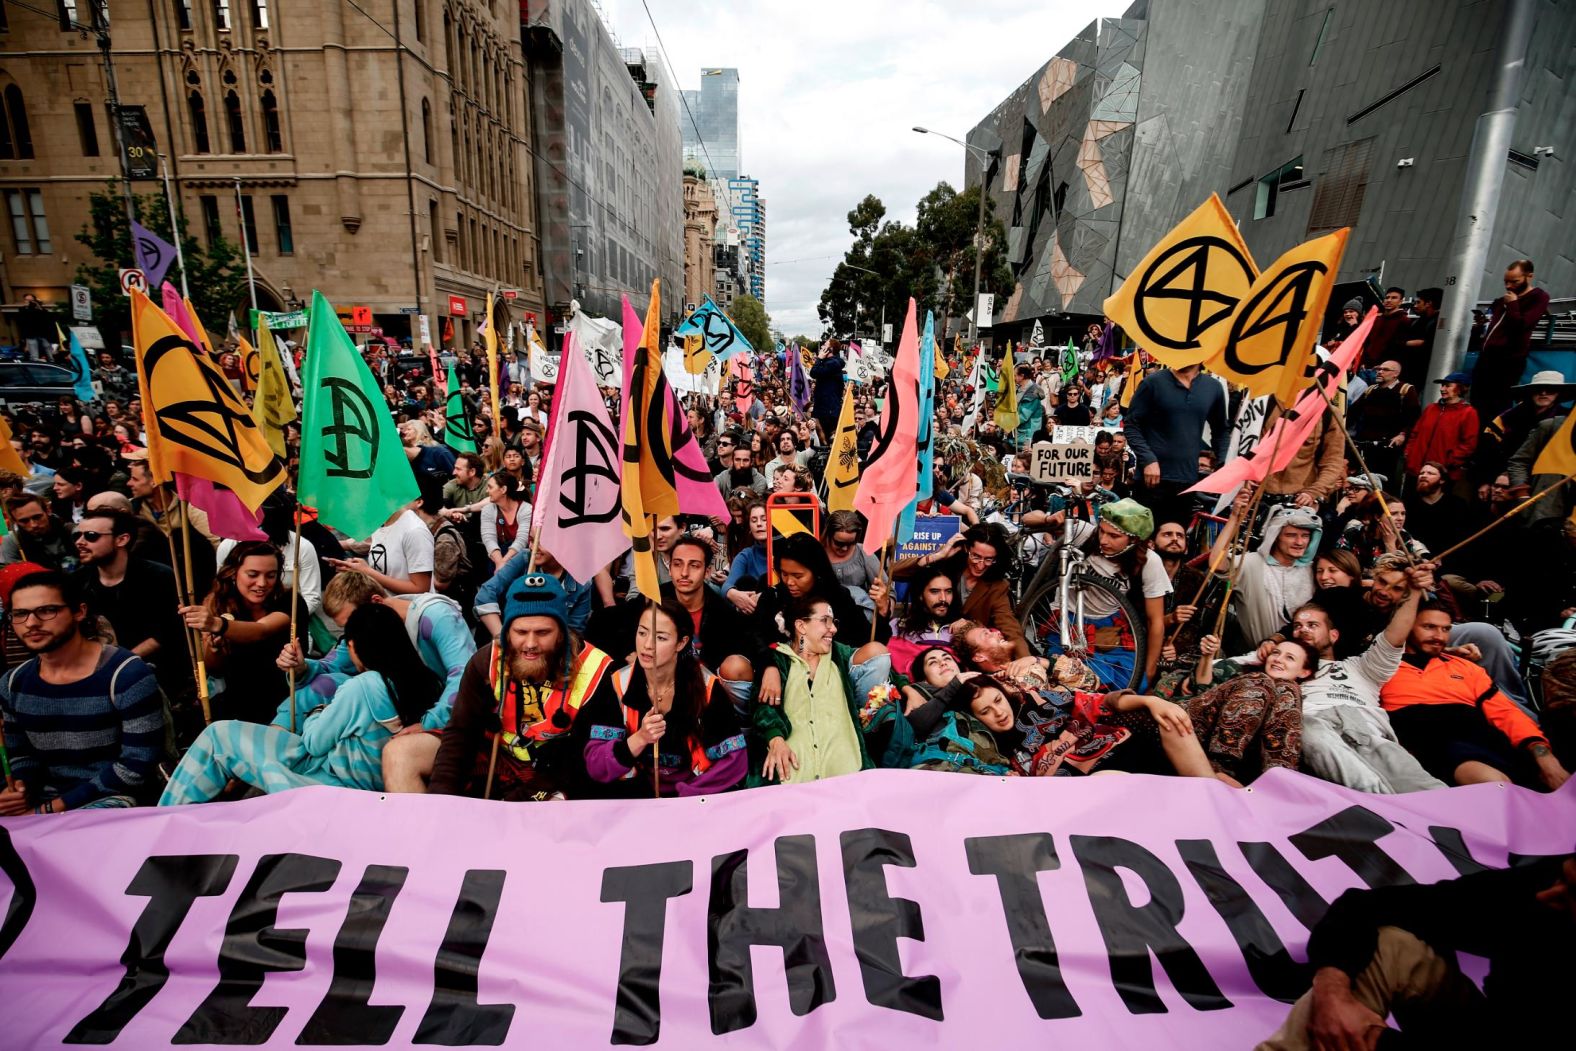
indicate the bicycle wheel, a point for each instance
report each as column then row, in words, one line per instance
column 1103, row 629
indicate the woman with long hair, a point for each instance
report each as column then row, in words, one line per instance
column 978, row 560
column 739, row 535
column 813, row 731
column 666, row 709
column 340, row 743
column 506, row 508
column 747, row 576
column 245, row 621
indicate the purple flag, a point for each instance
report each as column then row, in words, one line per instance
column 798, row 382
column 153, row 253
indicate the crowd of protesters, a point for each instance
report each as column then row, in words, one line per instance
column 450, row 654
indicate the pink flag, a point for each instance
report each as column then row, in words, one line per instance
column 439, row 379
column 889, row 480
column 227, row 516
column 577, row 504
column 634, row 332
column 1278, row 446
column 692, row 480
column 175, row 306
column 743, row 384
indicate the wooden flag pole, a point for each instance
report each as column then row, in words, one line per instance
column 499, row 692
column 886, row 574
column 202, row 670
column 1502, row 519
column 1247, row 524
column 1232, row 525
column 183, row 589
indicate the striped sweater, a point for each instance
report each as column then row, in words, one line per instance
column 75, row 742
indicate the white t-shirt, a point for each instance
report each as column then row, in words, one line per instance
column 403, row 548
column 1154, row 582
column 1353, row 682
column 311, row 588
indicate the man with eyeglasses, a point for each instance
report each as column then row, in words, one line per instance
column 84, row 720
column 36, row 536
column 135, row 595
column 1380, row 420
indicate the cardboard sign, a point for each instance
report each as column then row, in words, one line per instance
column 1070, row 462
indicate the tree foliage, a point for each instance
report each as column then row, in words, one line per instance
column 216, row 273
column 751, row 317
column 933, row 261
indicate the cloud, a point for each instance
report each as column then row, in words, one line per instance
column 828, row 93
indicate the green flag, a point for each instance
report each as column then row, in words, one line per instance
column 457, row 433
column 353, row 466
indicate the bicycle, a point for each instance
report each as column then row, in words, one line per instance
column 1073, row 609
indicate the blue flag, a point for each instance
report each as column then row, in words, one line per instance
column 81, row 369
column 718, row 332
column 153, row 253
column 926, row 436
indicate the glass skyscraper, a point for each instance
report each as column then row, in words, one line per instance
column 715, row 109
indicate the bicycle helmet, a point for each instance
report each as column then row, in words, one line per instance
column 1131, row 517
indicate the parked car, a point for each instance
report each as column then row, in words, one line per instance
column 22, row 382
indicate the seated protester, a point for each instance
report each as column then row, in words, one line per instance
column 278, row 513
column 489, row 596
column 1346, row 736
column 741, row 472
column 84, row 721
column 1182, row 631
column 802, row 572
column 341, row 741
column 505, row 510
column 1118, row 548
column 544, row 674
column 1462, row 728
column 426, row 456
column 1276, row 577
column 467, row 483
column 1391, row 951
column 1063, row 724
column 137, row 597
column 666, row 531
column 1338, row 591
column 930, row 727
column 36, row 536
column 245, row 620
column 748, row 574
column 1252, row 721
column 398, row 555
column 978, row 561
column 942, row 501
column 841, row 532
column 666, row 713
column 1373, row 533
column 807, row 727
column 931, row 612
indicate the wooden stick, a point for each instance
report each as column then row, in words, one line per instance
column 1502, row 519
column 1232, row 524
column 295, row 591
column 499, row 692
column 183, row 590
column 1247, row 523
column 202, row 669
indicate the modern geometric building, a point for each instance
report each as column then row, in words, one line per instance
column 383, row 153
column 1123, row 131
column 749, row 218
column 712, row 140
column 1304, row 116
column 609, row 164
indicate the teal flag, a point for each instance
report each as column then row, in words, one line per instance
column 457, row 433
column 354, row 470
column 717, row 331
column 81, row 369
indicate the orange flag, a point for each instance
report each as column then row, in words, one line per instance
column 647, row 491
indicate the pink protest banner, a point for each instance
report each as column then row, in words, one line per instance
column 912, row 910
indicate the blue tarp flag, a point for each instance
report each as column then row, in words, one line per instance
column 153, row 253
column 722, row 337
column 926, row 438
column 81, row 368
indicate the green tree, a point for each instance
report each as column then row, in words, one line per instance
column 216, row 274
column 751, row 317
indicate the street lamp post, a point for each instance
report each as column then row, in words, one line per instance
column 984, row 157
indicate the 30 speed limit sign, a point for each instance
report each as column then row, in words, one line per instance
column 131, row 278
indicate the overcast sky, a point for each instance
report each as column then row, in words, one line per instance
column 828, row 93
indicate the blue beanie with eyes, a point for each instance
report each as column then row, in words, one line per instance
column 536, row 595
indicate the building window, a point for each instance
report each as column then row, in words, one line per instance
column 210, row 218
column 259, row 14
column 1324, row 28
column 434, row 234
column 249, row 224
column 1284, row 177
column 273, row 137
column 29, row 225
column 221, row 14
column 426, row 130
column 199, row 116
column 459, row 240
column 1343, row 182
column 19, row 137
column 282, row 224
column 232, row 116
column 183, row 13
column 421, row 18
column 87, row 131
column 68, row 14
